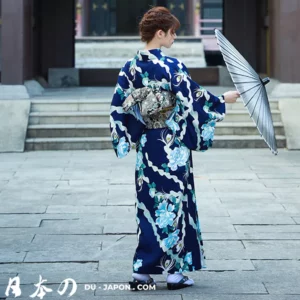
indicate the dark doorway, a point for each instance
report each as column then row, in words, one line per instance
column 162, row 3
column 128, row 15
column 116, row 17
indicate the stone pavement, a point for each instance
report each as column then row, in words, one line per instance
column 71, row 215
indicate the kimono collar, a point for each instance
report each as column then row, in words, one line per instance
column 152, row 54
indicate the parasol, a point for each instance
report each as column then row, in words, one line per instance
column 252, row 89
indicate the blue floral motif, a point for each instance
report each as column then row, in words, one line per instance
column 188, row 258
column 178, row 157
column 164, row 214
column 137, row 264
column 143, row 140
column 139, row 160
column 171, row 240
column 172, row 125
column 122, row 148
column 208, row 131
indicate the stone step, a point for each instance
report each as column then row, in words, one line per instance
column 68, row 130
column 98, row 143
column 70, row 105
column 99, row 117
column 129, row 49
column 118, row 62
column 242, row 141
column 237, row 115
column 68, row 118
column 103, row 130
column 239, row 105
column 103, row 105
column 114, row 54
column 244, row 128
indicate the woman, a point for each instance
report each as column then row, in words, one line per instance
column 169, row 234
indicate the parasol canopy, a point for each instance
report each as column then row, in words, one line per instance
column 251, row 88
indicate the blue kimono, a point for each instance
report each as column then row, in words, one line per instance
column 168, row 226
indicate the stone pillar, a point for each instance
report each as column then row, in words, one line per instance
column 16, row 43
column 285, row 40
column 240, row 21
column 0, row 38
column 85, row 17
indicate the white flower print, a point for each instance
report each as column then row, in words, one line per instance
column 208, row 131
column 171, row 240
column 143, row 140
column 178, row 157
column 122, row 148
column 137, row 264
column 188, row 258
column 139, row 160
column 164, row 214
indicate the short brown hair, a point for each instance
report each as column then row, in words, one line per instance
column 154, row 19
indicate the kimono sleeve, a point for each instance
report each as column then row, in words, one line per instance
column 125, row 128
column 196, row 112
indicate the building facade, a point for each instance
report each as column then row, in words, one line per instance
column 38, row 35
column 120, row 17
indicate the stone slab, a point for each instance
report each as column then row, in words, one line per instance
column 92, row 175
column 63, row 77
column 261, row 220
column 238, row 297
column 35, row 174
column 228, row 265
column 72, row 209
column 283, row 287
column 286, row 90
column 20, row 208
column 267, row 265
column 80, row 198
column 294, row 175
column 29, row 289
column 34, row 88
column 289, row 115
column 12, row 241
column 7, row 256
column 71, row 267
column 245, row 196
column 65, row 254
column 297, row 220
column 265, row 245
column 256, row 245
column 283, row 183
column 23, row 196
column 267, row 228
column 292, row 209
column 274, row 254
column 65, row 187
column 72, row 226
column 13, row 92
column 14, row 115
column 18, row 220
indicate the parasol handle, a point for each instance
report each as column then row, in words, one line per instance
column 265, row 80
